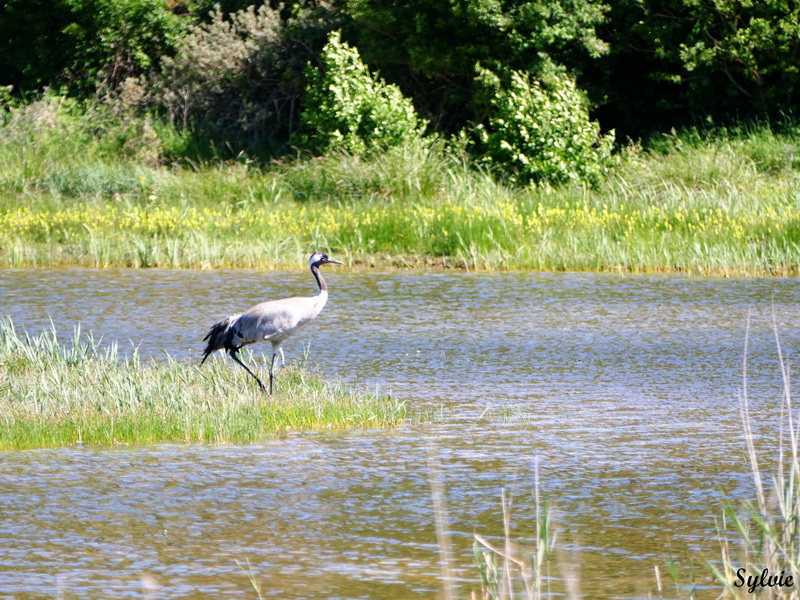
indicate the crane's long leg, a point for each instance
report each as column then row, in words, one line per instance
column 271, row 372
column 260, row 383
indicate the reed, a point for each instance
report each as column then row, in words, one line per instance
column 760, row 540
column 509, row 571
column 55, row 394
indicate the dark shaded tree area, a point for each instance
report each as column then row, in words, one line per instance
column 678, row 62
column 84, row 46
column 647, row 65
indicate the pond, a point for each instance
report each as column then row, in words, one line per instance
column 624, row 390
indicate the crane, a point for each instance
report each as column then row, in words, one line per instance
column 271, row 321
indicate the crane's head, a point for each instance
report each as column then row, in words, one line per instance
column 320, row 258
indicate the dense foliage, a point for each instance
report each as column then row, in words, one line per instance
column 673, row 62
column 234, row 77
column 431, row 47
column 83, row 45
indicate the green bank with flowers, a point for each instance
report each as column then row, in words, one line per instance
column 725, row 205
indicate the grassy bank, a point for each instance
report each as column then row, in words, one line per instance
column 726, row 205
column 55, row 394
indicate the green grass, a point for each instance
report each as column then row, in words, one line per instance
column 724, row 202
column 54, row 394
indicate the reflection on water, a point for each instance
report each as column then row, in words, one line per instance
column 623, row 387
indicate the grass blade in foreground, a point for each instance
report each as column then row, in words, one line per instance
column 760, row 542
column 54, row 394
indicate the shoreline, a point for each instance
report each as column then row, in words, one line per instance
column 416, row 263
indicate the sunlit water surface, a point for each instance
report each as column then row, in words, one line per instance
column 624, row 389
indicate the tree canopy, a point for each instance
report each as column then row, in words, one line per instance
column 240, row 70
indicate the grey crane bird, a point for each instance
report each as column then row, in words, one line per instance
column 272, row 321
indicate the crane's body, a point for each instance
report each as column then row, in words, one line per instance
column 271, row 321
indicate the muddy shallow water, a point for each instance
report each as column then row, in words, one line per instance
column 623, row 388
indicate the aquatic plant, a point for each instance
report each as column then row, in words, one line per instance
column 509, row 571
column 760, row 540
column 55, row 394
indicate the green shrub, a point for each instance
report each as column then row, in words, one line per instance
column 347, row 108
column 541, row 131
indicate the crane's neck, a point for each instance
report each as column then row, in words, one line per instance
column 323, row 287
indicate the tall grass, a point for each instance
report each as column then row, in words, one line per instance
column 54, row 394
column 760, row 541
column 510, row 572
column 726, row 203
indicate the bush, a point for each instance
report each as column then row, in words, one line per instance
column 347, row 108
column 238, row 78
column 541, row 132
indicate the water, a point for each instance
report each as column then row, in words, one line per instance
column 624, row 389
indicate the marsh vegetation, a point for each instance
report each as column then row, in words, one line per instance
column 57, row 394
column 728, row 204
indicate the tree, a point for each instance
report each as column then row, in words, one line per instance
column 675, row 62
column 83, row 45
column 430, row 48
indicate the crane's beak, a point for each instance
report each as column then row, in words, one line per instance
column 335, row 262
